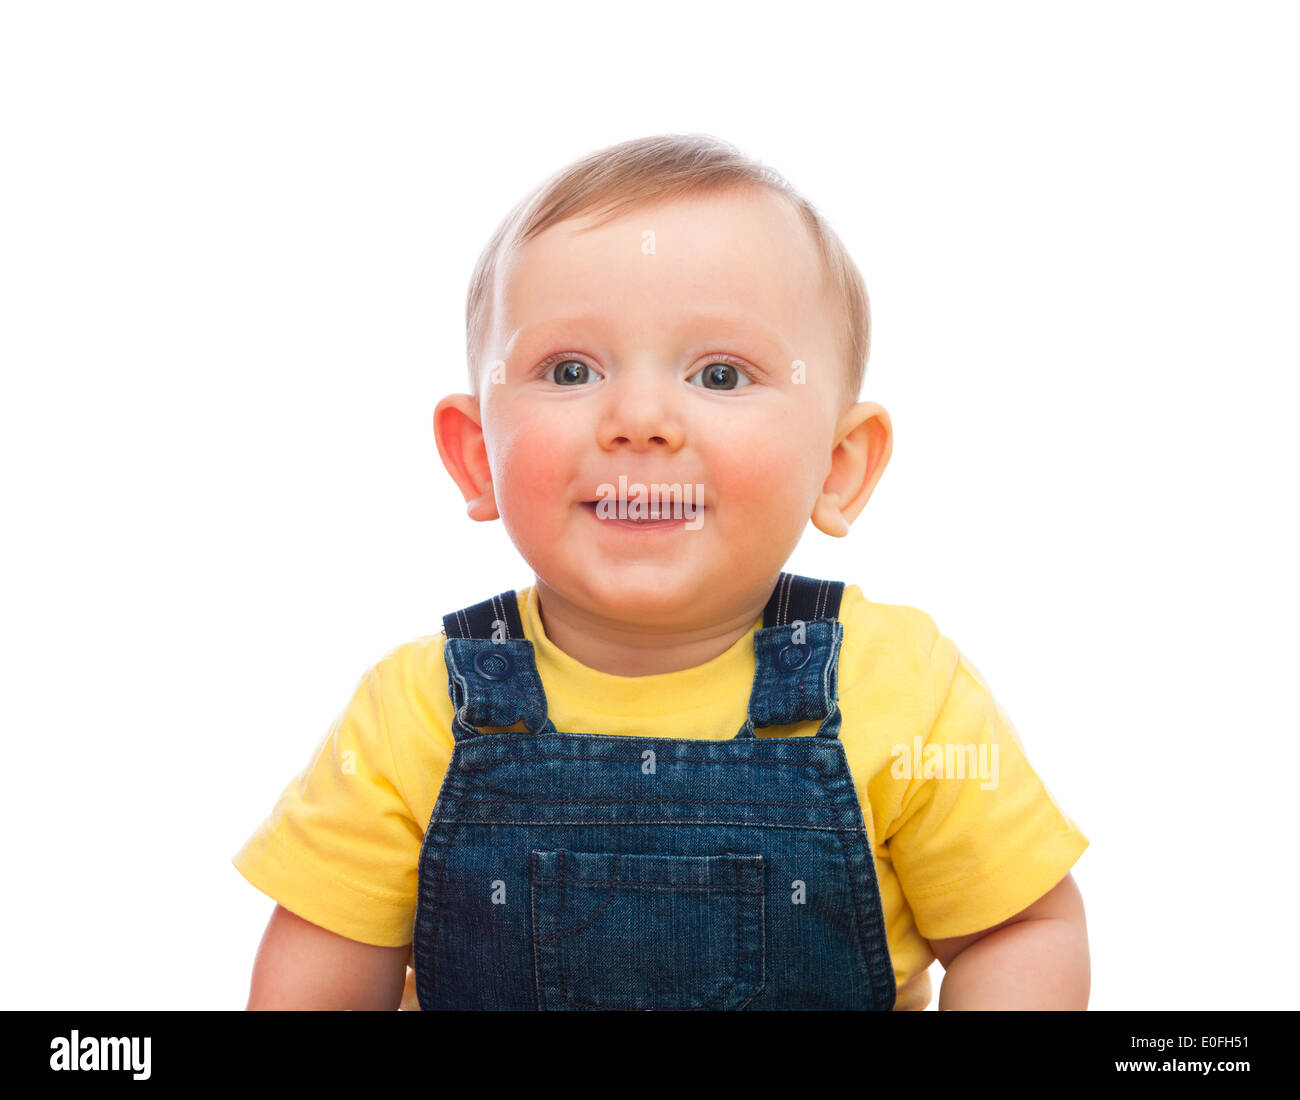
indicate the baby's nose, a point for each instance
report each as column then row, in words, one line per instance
column 642, row 417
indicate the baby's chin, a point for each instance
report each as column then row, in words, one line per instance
column 648, row 593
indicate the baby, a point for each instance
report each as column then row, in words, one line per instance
column 668, row 774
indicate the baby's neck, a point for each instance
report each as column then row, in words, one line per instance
column 623, row 649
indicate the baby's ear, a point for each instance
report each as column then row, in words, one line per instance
column 864, row 441
column 458, row 433
column 827, row 516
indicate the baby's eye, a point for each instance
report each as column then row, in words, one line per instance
column 722, row 376
column 570, row 372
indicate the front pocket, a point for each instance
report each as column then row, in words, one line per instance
column 616, row 931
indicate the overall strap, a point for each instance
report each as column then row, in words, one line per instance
column 491, row 669
column 494, row 619
column 796, row 657
column 802, row 598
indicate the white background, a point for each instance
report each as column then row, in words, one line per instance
column 234, row 246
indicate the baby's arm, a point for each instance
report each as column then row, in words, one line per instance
column 301, row 965
column 1037, row 959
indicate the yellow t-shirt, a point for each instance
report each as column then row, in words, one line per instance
column 953, row 855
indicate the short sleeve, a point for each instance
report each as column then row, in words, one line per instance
column 979, row 836
column 341, row 846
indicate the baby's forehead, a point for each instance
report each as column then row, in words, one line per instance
column 727, row 254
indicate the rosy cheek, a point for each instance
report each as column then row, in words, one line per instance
column 767, row 474
column 533, row 468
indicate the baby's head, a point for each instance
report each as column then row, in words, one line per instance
column 664, row 322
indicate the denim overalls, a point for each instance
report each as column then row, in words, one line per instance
column 592, row 871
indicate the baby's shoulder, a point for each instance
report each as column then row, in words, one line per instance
column 890, row 647
column 410, row 671
column 869, row 624
column 425, row 648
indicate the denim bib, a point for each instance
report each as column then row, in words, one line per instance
column 592, row 871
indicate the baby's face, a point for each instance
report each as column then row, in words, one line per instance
column 701, row 353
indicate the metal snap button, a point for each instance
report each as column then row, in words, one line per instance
column 493, row 665
column 793, row 657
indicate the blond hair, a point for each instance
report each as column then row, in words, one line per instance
column 621, row 177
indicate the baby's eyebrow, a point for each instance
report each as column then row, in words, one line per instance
column 560, row 324
column 719, row 324
column 734, row 325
